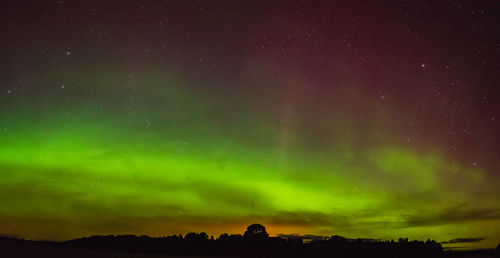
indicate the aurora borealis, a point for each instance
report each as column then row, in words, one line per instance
column 356, row 118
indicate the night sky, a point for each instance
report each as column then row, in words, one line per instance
column 375, row 119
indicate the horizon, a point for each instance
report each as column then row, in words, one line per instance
column 352, row 118
column 456, row 244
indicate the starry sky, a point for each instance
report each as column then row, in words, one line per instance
column 376, row 119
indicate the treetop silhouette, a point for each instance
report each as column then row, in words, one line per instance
column 256, row 231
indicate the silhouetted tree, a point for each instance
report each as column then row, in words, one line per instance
column 255, row 243
column 256, row 231
column 338, row 239
column 403, row 240
column 223, row 237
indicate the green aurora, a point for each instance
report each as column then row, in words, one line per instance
column 356, row 118
column 167, row 160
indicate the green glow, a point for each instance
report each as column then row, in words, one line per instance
column 165, row 160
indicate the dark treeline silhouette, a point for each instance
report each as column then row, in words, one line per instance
column 254, row 243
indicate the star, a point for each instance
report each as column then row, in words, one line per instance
column 422, row 65
column 68, row 53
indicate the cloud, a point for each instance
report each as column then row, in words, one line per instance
column 454, row 215
column 464, row 240
column 9, row 236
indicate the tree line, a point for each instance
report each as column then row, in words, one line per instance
column 256, row 242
